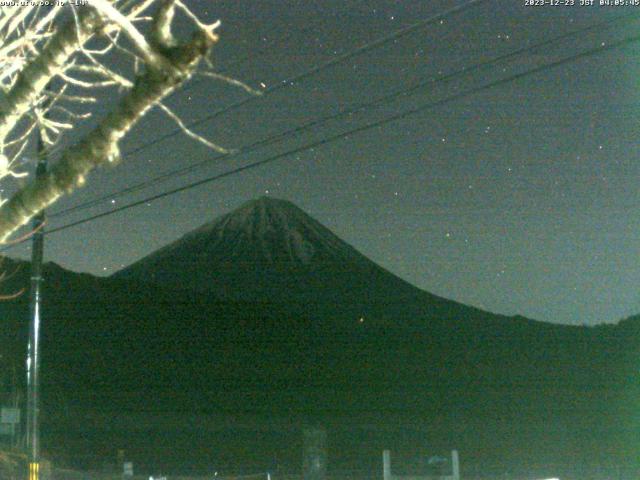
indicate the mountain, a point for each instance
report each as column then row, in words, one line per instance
column 269, row 250
column 263, row 320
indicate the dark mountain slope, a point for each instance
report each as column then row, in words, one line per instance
column 380, row 355
column 270, row 250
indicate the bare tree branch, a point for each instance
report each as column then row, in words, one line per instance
column 34, row 78
column 101, row 146
column 50, row 72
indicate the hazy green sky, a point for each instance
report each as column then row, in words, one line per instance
column 520, row 199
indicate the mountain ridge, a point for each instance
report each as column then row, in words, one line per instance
column 264, row 248
column 366, row 352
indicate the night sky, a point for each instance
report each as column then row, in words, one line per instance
column 520, row 199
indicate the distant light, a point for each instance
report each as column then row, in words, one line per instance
column 361, row 320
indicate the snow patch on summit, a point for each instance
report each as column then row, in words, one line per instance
column 302, row 249
column 263, row 235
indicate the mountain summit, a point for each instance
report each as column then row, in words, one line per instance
column 309, row 329
column 268, row 249
column 266, row 232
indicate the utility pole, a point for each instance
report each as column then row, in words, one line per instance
column 33, row 348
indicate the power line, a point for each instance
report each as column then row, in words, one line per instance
column 369, row 126
column 313, row 70
column 342, row 113
column 223, row 71
column 238, row 61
